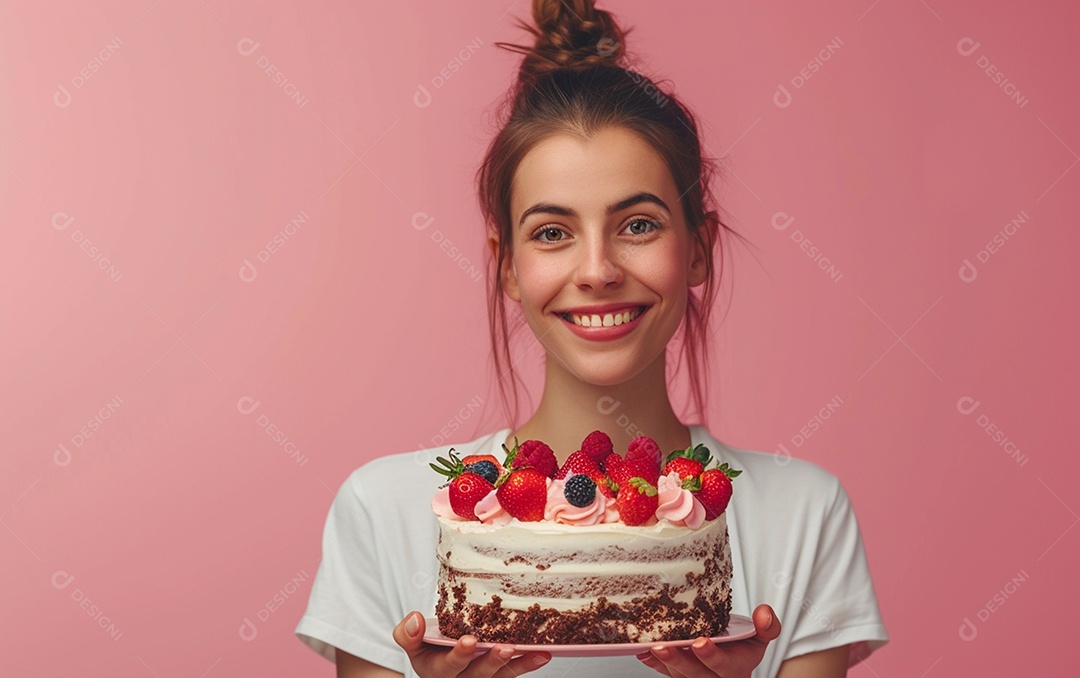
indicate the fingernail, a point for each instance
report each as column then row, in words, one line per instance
column 540, row 660
column 700, row 644
column 506, row 653
column 660, row 651
column 412, row 626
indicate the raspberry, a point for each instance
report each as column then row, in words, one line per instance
column 597, row 445
column 580, row 490
column 644, row 447
column 535, row 454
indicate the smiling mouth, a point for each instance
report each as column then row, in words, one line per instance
column 603, row 319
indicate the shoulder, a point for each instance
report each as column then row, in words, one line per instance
column 780, row 480
column 407, row 474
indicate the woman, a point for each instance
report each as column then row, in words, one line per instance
column 602, row 237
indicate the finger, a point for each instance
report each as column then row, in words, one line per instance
column 530, row 661
column 766, row 623
column 409, row 633
column 489, row 663
column 653, row 663
column 708, row 654
column 678, row 663
column 461, row 655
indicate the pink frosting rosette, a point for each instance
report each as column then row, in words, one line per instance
column 491, row 512
column 677, row 505
column 440, row 504
column 559, row 509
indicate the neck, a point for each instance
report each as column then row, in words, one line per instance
column 570, row 409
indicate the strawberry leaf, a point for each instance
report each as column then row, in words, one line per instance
column 730, row 472
column 643, row 486
column 692, row 484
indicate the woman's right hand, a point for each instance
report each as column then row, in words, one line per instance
column 431, row 661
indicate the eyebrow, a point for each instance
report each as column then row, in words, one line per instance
column 549, row 208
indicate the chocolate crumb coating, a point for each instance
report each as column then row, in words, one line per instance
column 561, row 599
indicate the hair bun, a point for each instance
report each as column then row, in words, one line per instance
column 570, row 35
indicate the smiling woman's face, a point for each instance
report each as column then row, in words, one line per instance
column 602, row 260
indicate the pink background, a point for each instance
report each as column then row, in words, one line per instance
column 138, row 544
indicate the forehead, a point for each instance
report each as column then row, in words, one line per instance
column 589, row 173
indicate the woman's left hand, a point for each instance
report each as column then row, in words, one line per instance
column 730, row 660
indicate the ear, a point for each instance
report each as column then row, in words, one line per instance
column 698, row 255
column 507, row 274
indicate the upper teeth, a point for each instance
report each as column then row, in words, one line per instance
column 606, row 320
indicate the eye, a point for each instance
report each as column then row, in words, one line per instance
column 642, row 226
column 550, row 234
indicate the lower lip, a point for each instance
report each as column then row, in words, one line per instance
column 604, row 333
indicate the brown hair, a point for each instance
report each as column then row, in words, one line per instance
column 572, row 80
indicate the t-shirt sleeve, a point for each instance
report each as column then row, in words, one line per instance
column 350, row 606
column 838, row 605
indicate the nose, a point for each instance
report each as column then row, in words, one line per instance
column 597, row 267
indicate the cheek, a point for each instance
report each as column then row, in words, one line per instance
column 538, row 279
column 665, row 270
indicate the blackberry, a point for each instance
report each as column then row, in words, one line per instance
column 580, row 490
column 485, row 469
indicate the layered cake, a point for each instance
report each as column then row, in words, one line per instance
column 607, row 548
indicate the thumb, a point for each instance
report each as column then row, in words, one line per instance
column 409, row 633
column 766, row 624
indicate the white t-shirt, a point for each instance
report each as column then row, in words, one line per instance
column 795, row 545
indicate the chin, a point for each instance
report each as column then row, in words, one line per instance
column 601, row 372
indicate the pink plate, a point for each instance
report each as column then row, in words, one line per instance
column 739, row 628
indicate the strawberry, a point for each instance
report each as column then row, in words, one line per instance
column 465, row 491
column 642, row 468
column 577, row 462
column 686, row 468
column 612, row 465
column 597, row 446
column 604, row 484
column 466, row 487
column 698, row 453
column 637, row 501
column 523, row 493
column 532, row 453
column 715, row 492
column 644, row 447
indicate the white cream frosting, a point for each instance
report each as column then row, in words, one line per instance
column 573, row 552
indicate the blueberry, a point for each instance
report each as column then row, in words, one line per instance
column 580, row 490
column 485, row 469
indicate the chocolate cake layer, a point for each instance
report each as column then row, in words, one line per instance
column 609, row 583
